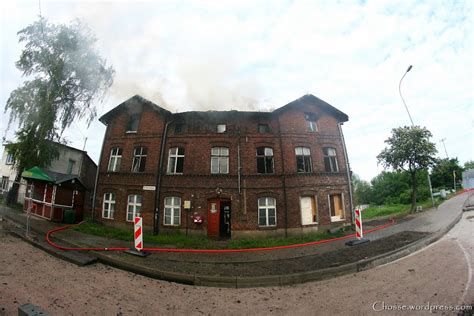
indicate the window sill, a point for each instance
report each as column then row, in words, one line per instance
column 311, row 224
column 267, row 227
column 174, row 174
column 337, row 219
column 108, row 218
column 130, row 132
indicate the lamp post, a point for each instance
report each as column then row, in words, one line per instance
column 413, row 125
column 400, row 91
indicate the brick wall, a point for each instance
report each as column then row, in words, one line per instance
column 197, row 134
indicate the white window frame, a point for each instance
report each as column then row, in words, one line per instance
column 221, row 128
column 303, row 152
column 110, row 202
column 172, row 205
column 267, row 152
column 9, row 159
column 334, row 168
column 135, row 205
column 5, row 183
column 311, row 123
column 115, row 159
column 316, row 210
column 139, row 156
column 174, row 153
column 218, row 157
column 266, row 207
column 337, row 218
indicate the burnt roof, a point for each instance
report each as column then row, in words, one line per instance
column 307, row 99
column 312, row 100
column 130, row 104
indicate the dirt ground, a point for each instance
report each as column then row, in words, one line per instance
column 285, row 266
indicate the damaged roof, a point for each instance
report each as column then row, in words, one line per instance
column 136, row 102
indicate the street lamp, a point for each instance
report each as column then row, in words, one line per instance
column 413, row 125
column 400, row 91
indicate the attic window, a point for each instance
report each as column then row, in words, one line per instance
column 311, row 119
column 263, row 128
column 221, row 128
column 132, row 126
column 178, row 128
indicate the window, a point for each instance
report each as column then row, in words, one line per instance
column 219, row 160
column 172, row 211
column 178, row 128
column 108, row 206
column 266, row 212
column 264, row 160
column 9, row 160
column 303, row 159
column 263, row 128
column 115, row 159
column 175, row 160
column 336, row 207
column 132, row 126
column 139, row 159
column 311, row 122
column 330, row 160
column 134, row 206
column 221, row 128
column 5, row 183
column 70, row 166
column 309, row 210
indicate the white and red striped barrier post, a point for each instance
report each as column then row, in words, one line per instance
column 358, row 222
column 138, row 234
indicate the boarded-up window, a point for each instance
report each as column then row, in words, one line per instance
column 336, row 207
column 309, row 210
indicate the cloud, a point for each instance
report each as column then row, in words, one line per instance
column 255, row 55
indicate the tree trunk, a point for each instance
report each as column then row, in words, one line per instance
column 413, row 192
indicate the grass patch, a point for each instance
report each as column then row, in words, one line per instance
column 284, row 241
column 174, row 239
column 385, row 210
column 396, row 209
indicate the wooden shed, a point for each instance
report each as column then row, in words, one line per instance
column 51, row 195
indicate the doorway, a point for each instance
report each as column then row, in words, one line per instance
column 219, row 218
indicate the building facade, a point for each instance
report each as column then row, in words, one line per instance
column 225, row 173
column 71, row 161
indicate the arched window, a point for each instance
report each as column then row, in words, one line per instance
column 265, row 160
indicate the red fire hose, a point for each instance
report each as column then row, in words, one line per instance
column 324, row 241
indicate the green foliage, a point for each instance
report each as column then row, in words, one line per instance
column 394, row 209
column 65, row 77
column 362, row 191
column 409, row 149
column 469, row 165
column 442, row 173
column 283, row 241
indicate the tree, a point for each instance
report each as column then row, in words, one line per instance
column 469, row 165
column 442, row 176
column 362, row 190
column 409, row 149
column 65, row 77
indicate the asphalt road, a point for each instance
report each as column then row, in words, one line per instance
column 441, row 274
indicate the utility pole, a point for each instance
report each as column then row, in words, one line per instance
column 413, row 125
column 444, row 145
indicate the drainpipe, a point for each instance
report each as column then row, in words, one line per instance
column 283, row 177
column 238, row 163
column 348, row 169
column 94, row 198
column 156, row 217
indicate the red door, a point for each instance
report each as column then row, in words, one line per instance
column 213, row 217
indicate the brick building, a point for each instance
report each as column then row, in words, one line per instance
column 225, row 173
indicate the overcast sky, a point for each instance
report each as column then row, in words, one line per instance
column 260, row 55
